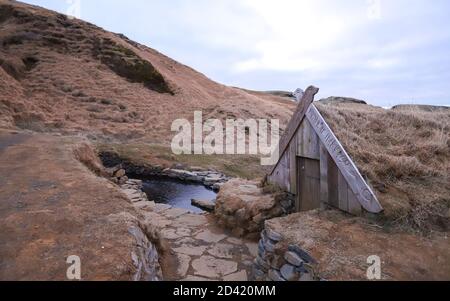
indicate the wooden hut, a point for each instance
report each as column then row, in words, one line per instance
column 315, row 167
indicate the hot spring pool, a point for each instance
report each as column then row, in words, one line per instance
column 176, row 193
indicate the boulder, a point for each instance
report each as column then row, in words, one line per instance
column 243, row 206
column 204, row 204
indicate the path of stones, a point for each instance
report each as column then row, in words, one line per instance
column 194, row 248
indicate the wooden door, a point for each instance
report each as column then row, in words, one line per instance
column 308, row 194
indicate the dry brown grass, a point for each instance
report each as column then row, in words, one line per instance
column 404, row 154
column 60, row 68
column 242, row 166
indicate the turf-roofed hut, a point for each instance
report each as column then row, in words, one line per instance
column 358, row 158
column 315, row 167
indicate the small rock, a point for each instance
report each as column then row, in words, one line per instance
column 235, row 241
column 123, row 180
column 269, row 246
column 302, row 253
column 222, row 251
column 204, row 204
column 120, row 173
column 289, row 272
column 293, row 258
column 208, row 266
column 272, row 235
column 210, row 237
column 275, row 275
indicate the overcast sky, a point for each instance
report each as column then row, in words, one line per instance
column 383, row 51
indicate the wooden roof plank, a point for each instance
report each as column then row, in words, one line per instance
column 356, row 182
column 295, row 121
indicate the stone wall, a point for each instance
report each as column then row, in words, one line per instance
column 145, row 257
column 277, row 261
column 115, row 166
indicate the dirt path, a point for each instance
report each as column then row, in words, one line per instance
column 51, row 207
column 193, row 246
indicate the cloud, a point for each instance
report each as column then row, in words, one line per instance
column 381, row 50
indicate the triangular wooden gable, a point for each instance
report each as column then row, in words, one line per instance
column 309, row 136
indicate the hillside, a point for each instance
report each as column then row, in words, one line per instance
column 70, row 76
column 404, row 154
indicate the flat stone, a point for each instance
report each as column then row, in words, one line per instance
column 161, row 208
column 130, row 193
column 192, row 278
column 210, row 237
column 191, row 250
column 239, row 276
column 289, row 272
column 235, row 241
column 175, row 212
column 204, row 204
column 144, row 205
column 293, row 258
column 275, row 275
column 155, row 219
column 269, row 246
column 183, row 264
column 305, row 256
column 134, row 182
column 273, row 235
column 183, row 232
column 191, row 220
column 208, row 266
column 120, row 173
column 173, row 234
column 252, row 248
column 222, row 251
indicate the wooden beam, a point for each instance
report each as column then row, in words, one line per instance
column 307, row 142
column 356, row 182
column 324, row 198
column 296, row 120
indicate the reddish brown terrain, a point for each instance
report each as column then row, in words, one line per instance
column 73, row 77
column 66, row 77
column 69, row 89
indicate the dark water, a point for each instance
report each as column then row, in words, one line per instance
column 176, row 193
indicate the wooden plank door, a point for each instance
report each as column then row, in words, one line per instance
column 308, row 184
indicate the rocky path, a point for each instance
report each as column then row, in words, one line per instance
column 192, row 247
